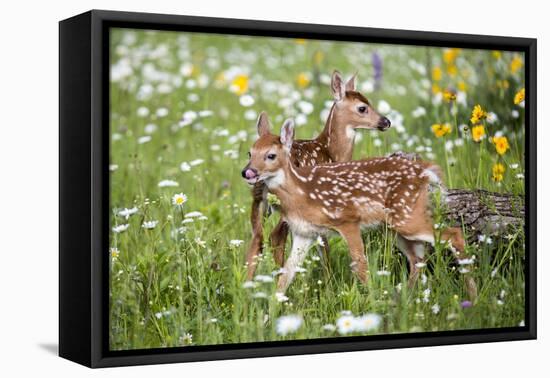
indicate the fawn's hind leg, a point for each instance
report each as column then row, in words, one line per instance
column 257, row 213
column 418, row 226
column 278, row 241
column 454, row 236
column 414, row 251
column 352, row 233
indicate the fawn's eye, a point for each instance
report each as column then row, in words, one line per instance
column 362, row 109
column 271, row 156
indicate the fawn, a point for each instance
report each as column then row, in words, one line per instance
column 346, row 196
column 350, row 111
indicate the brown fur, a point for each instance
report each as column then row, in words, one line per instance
column 345, row 196
column 333, row 144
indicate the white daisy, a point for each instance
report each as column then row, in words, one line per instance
column 384, row 107
column 263, row 278
column 249, row 285
column 144, row 139
column 329, row 328
column 193, row 214
column 127, row 212
column 142, row 111
column 345, row 324
column 120, row 228
column 114, row 252
column 259, row 295
column 466, row 261
column 367, row 322
column 246, row 100
column 162, row 112
column 281, row 297
column 179, row 199
column 167, row 183
column 419, row 112
column 185, row 167
column 236, row 243
column 196, row 162
column 435, row 309
column 186, row 339
column 288, row 324
column 149, row 225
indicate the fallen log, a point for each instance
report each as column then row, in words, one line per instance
column 480, row 211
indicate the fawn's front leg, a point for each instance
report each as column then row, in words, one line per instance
column 300, row 246
column 257, row 212
column 359, row 265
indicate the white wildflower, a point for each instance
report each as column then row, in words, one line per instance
column 367, row 322
column 120, row 228
column 288, row 324
column 149, row 225
column 127, row 212
column 167, row 183
column 236, row 242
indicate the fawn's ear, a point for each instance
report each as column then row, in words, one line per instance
column 350, row 84
column 263, row 124
column 287, row 133
column 337, row 86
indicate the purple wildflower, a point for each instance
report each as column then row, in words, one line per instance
column 466, row 304
column 377, row 65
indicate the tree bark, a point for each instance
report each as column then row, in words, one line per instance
column 481, row 211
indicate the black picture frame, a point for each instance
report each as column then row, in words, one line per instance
column 84, row 197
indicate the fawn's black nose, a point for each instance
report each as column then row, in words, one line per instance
column 249, row 173
column 384, row 123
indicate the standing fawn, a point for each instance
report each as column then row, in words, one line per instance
column 347, row 196
column 350, row 111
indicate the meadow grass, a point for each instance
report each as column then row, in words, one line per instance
column 183, row 111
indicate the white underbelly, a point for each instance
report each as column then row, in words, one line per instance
column 304, row 228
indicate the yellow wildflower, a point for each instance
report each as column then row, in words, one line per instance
column 504, row 84
column 516, row 64
column 240, row 84
column 436, row 89
column 441, row 129
column 478, row 133
column 436, row 73
column 452, row 70
column 303, row 80
column 478, row 114
column 449, row 55
column 318, row 57
column 300, row 41
column 449, row 95
column 520, row 96
column 497, row 54
column 498, row 172
column 462, row 86
column 501, row 144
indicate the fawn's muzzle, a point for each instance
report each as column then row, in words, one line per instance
column 249, row 173
column 383, row 124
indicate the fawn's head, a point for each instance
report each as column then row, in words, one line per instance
column 269, row 155
column 351, row 109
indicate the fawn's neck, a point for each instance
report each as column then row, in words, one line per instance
column 337, row 137
column 290, row 183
